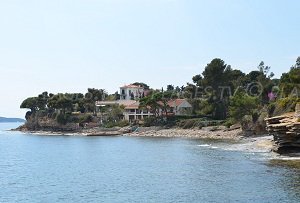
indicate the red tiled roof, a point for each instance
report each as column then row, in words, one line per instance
column 174, row 102
column 133, row 106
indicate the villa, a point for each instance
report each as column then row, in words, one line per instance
column 129, row 95
column 131, row 92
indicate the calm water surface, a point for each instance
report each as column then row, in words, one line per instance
column 125, row 169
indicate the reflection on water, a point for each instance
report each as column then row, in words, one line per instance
column 293, row 164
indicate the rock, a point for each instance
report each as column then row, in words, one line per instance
column 286, row 131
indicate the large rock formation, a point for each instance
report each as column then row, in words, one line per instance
column 286, row 131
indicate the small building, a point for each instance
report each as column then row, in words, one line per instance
column 131, row 92
column 180, row 107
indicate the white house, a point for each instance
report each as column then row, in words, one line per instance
column 129, row 95
column 133, row 112
column 131, row 92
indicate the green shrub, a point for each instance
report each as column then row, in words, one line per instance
column 271, row 109
column 62, row 119
column 150, row 121
column 110, row 124
column 86, row 118
column 228, row 123
column 285, row 105
column 190, row 123
column 123, row 123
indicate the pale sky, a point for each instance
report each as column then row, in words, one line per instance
column 70, row 45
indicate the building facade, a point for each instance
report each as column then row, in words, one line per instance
column 131, row 92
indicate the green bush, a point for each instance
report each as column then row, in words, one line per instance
column 123, row 123
column 62, row 119
column 150, row 121
column 229, row 122
column 285, row 105
column 86, row 118
column 190, row 123
column 271, row 109
column 110, row 124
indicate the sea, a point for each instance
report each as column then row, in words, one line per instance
column 43, row 168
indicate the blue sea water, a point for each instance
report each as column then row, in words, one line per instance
column 37, row 168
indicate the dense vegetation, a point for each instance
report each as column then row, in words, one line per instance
column 218, row 93
column 61, row 106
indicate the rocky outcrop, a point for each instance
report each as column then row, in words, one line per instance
column 286, row 131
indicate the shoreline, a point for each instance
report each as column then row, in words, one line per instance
column 262, row 143
column 216, row 132
column 204, row 133
column 234, row 139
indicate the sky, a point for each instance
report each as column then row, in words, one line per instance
column 70, row 45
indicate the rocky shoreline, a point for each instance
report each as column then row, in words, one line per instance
column 80, row 132
column 258, row 143
column 215, row 132
column 286, row 131
column 204, row 133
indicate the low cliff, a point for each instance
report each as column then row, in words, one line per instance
column 286, row 131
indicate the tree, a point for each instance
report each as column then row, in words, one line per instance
column 42, row 101
column 30, row 103
column 61, row 102
column 242, row 104
column 151, row 102
column 214, row 86
column 214, row 74
column 265, row 69
column 297, row 65
column 290, row 82
column 170, row 88
column 91, row 97
column 141, row 84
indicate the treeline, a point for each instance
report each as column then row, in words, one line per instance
column 219, row 92
column 60, row 106
column 223, row 93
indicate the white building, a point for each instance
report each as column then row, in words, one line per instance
column 133, row 112
column 131, row 92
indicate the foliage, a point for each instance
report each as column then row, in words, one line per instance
column 197, row 123
column 149, row 121
column 284, row 105
column 30, row 103
column 290, row 82
column 141, row 84
column 62, row 118
column 242, row 104
column 219, row 92
column 59, row 105
column 111, row 124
